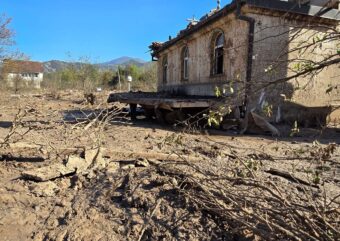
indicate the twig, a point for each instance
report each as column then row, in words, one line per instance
column 149, row 219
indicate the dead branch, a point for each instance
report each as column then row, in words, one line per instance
column 289, row 177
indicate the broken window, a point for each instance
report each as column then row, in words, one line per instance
column 219, row 54
column 185, row 60
column 165, row 69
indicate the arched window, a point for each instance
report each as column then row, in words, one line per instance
column 185, row 63
column 165, row 69
column 218, row 54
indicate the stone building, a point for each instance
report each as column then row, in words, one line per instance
column 29, row 73
column 246, row 45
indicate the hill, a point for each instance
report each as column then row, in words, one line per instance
column 57, row 65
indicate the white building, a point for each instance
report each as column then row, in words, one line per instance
column 29, row 73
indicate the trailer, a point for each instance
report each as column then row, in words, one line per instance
column 164, row 107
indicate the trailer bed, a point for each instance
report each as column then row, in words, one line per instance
column 161, row 99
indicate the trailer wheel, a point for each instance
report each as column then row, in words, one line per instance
column 149, row 113
column 175, row 117
column 159, row 116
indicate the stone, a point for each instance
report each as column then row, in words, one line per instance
column 47, row 173
column 142, row 162
column 77, row 163
column 95, row 156
column 44, row 189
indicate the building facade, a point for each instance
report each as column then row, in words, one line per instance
column 28, row 73
column 249, row 44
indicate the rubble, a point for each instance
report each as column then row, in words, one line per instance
column 75, row 164
column 44, row 189
column 47, row 173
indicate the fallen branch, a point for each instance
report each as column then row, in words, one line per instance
column 149, row 219
column 289, row 177
column 117, row 155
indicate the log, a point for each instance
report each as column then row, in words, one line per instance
column 35, row 152
column 264, row 124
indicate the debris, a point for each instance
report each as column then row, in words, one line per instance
column 20, row 158
column 90, row 98
column 15, row 96
column 152, row 155
column 142, row 162
column 93, row 160
column 128, row 166
column 146, row 224
column 77, row 163
column 23, row 145
column 256, row 123
column 289, row 177
column 112, row 167
column 95, row 157
column 44, row 189
column 47, row 173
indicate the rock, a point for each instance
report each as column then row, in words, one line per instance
column 142, row 162
column 154, row 162
column 128, row 166
column 112, row 167
column 47, row 173
column 93, row 160
column 95, row 157
column 77, row 163
column 44, row 189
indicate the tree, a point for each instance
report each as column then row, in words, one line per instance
column 6, row 36
column 6, row 40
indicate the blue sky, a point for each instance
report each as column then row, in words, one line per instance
column 98, row 29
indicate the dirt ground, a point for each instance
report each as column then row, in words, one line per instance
column 152, row 178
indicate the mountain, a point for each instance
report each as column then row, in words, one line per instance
column 57, row 65
column 124, row 60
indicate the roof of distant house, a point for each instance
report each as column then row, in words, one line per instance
column 22, row 66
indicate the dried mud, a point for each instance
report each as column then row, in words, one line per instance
column 138, row 198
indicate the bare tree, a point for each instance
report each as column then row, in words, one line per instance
column 6, row 36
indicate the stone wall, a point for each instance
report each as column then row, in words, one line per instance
column 201, row 81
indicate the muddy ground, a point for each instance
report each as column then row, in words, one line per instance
column 138, row 193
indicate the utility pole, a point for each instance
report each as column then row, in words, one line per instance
column 120, row 83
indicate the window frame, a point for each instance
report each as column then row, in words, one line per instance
column 219, row 54
column 185, row 63
column 165, row 69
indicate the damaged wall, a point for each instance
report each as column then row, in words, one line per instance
column 201, row 81
column 271, row 60
column 275, row 38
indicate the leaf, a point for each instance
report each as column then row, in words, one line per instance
column 218, row 92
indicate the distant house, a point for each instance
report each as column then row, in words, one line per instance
column 30, row 73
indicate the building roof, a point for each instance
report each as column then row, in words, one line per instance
column 274, row 5
column 21, row 66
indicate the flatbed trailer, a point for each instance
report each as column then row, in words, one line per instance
column 164, row 107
